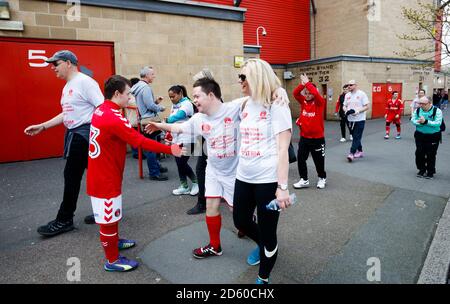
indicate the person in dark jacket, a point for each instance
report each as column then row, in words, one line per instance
column 340, row 111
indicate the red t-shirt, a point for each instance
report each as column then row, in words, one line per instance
column 394, row 107
column 311, row 112
column 110, row 133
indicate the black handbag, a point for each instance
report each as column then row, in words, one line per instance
column 291, row 152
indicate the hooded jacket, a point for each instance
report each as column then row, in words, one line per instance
column 145, row 100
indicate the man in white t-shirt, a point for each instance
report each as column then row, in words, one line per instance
column 356, row 104
column 415, row 103
column 80, row 97
column 218, row 123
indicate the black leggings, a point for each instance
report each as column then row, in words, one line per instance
column 315, row 146
column 247, row 197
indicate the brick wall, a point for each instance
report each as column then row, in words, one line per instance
column 176, row 46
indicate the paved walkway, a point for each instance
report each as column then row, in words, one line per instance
column 374, row 209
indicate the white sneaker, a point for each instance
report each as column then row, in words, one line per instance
column 351, row 137
column 181, row 190
column 343, row 139
column 301, row 184
column 321, row 183
column 194, row 189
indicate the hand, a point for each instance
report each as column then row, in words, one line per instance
column 34, row 130
column 421, row 120
column 385, row 116
column 283, row 198
column 159, row 100
column 336, row 114
column 304, row 79
column 151, row 127
column 162, row 108
column 356, row 113
column 397, row 116
column 176, row 150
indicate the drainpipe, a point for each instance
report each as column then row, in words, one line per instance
column 314, row 27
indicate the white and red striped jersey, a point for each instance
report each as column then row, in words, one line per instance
column 110, row 133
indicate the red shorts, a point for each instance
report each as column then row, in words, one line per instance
column 391, row 119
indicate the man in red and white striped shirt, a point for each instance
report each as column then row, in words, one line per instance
column 394, row 109
column 110, row 133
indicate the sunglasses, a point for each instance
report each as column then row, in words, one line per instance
column 242, row 77
column 55, row 63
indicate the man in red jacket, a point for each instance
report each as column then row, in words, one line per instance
column 394, row 109
column 312, row 138
column 110, row 133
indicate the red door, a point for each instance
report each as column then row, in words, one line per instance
column 31, row 92
column 381, row 92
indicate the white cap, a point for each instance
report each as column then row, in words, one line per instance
column 351, row 82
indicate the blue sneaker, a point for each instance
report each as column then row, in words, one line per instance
column 260, row 281
column 398, row 136
column 253, row 257
column 121, row 265
column 125, row 244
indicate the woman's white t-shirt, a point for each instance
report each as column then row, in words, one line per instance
column 258, row 155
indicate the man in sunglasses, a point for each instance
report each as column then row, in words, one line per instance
column 80, row 97
column 356, row 105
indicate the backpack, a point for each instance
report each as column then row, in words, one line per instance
column 442, row 127
column 194, row 106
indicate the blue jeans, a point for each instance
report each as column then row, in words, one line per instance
column 152, row 161
column 358, row 129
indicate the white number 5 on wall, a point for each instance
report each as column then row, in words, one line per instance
column 37, row 55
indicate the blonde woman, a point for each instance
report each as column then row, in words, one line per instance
column 262, row 173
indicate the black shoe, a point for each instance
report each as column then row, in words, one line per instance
column 137, row 156
column 429, row 175
column 197, row 209
column 90, row 219
column 421, row 173
column 55, row 227
column 240, row 234
column 159, row 178
column 163, row 169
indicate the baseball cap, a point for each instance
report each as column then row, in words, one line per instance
column 64, row 55
column 351, row 82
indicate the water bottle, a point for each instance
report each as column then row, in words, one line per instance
column 273, row 205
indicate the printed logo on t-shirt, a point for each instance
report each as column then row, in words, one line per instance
column 228, row 121
column 206, row 128
column 70, row 93
column 244, row 115
column 263, row 115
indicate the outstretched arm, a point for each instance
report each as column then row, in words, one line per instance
column 36, row 129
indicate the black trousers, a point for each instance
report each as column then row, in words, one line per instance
column 247, row 197
column 76, row 163
column 426, row 150
column 200, row 170
column 344, row 124
column 315, row 146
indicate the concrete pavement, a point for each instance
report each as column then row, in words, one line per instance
column 372, row 208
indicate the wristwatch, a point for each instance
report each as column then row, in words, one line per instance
column 283, row 187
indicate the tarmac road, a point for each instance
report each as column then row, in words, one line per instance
column 373, row 212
